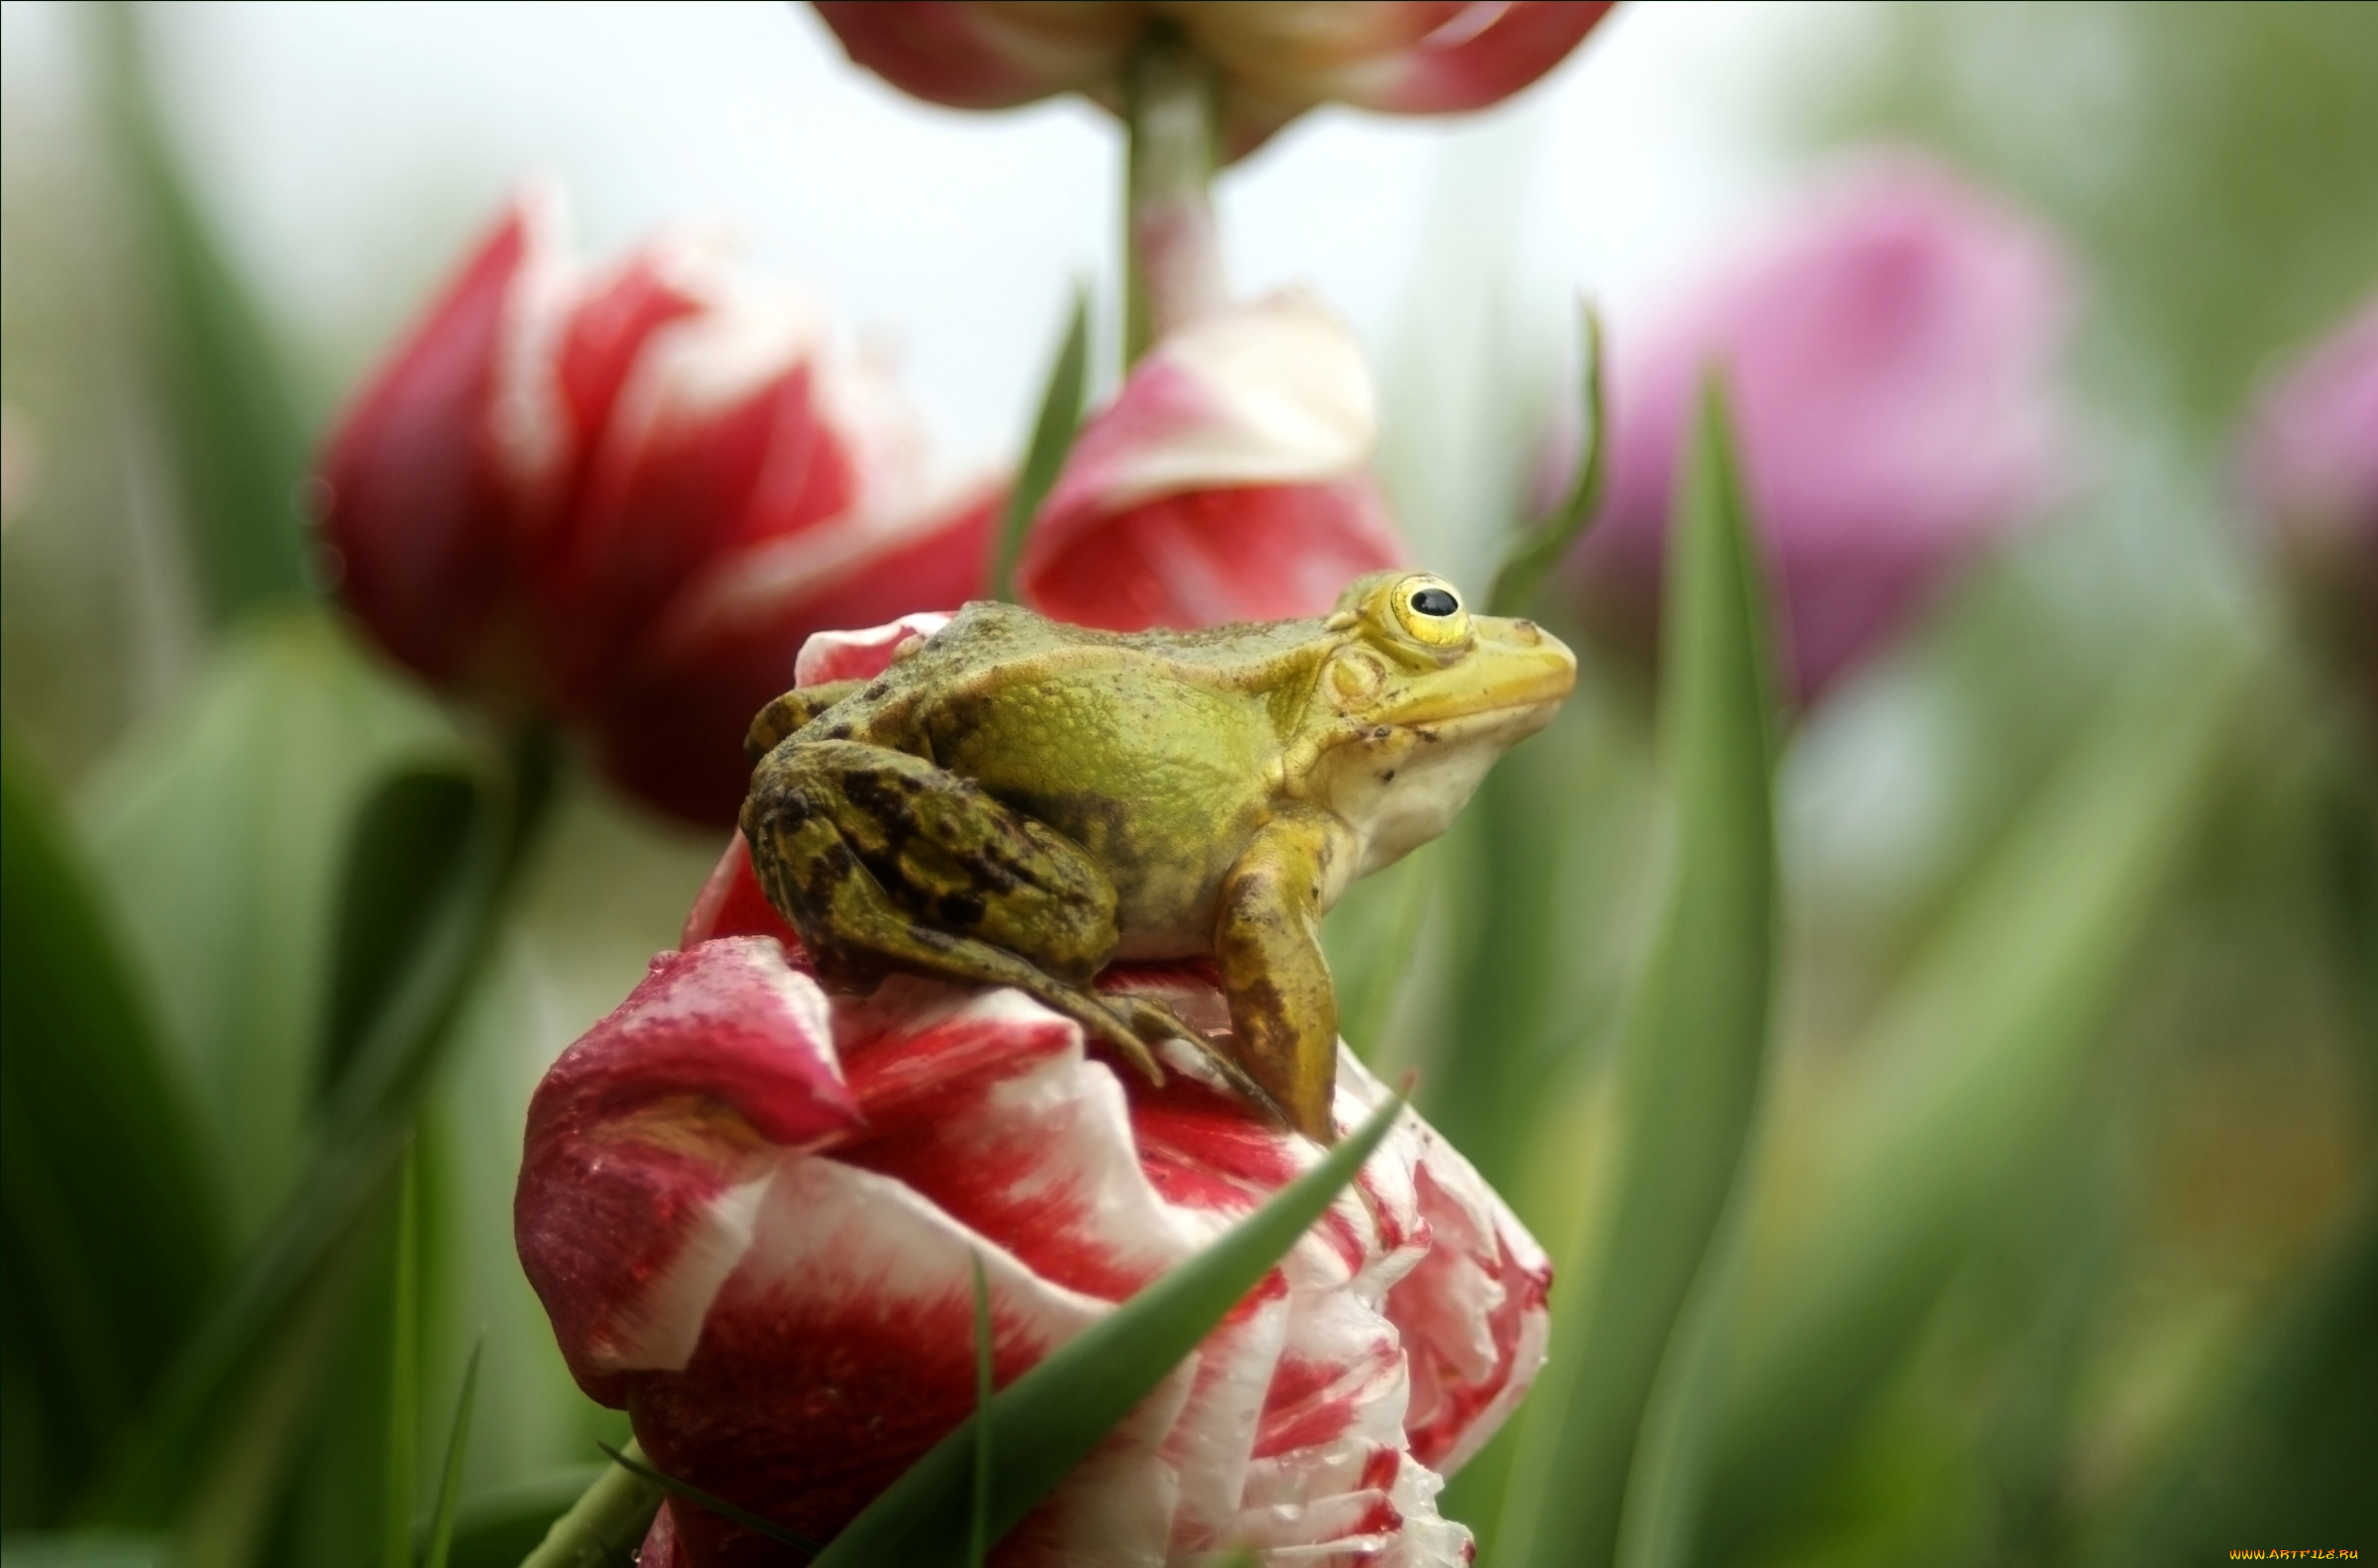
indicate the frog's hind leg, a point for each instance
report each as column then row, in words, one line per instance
column 780, row 719
column 872, row 852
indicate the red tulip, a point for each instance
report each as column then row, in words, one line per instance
column 2311, row 471
column 625, row 498
column 1227, row 480
column 1890, row 348
column 1276, row 60
column 750, row 1210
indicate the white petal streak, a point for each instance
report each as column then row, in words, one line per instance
column 659, row 1333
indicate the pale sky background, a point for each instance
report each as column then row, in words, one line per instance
column 351, row 150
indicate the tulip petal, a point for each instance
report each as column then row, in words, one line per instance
column 1469, row 54
column 670, row 722
column 972, row 56
column 1226, row 482
column 810, row 1189
column 433, row 463
column 651, row 1142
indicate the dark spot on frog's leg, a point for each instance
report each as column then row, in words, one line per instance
column 1381, row 733
column 876, row 689
column 960, row 911
column 1389, row 776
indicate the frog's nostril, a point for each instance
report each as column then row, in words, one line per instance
column 1526, row 632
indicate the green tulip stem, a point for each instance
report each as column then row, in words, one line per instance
column 1172, row 251
column 605, row 1525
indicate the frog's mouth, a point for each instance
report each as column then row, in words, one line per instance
column 1514, row 665
column 1403, row 783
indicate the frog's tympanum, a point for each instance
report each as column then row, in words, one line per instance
column 1017, row 802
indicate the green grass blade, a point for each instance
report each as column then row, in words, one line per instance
column 1055, row 1413
column 1053, row 430
column 1694, row 1051
column 710, row 1503
column 1540, row 547
column 450, row 1477
column 1986, row 1041
column 405, row 1373
column 110, row 1220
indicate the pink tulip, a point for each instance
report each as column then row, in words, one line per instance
column 750, row 1210
column 625, row 498
column 1889, row 345
column 2311, row 474
column 1227, row 480
column 1404, row 56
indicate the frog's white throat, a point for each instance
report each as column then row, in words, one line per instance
column 1399, row 789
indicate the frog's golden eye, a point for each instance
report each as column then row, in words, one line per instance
column 1431, row 612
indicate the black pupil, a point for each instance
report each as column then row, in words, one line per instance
column 1435, row 601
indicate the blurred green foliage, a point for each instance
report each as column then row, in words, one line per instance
column 2039, row 1228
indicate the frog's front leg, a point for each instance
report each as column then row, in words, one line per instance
column 878, row 856
column 1268, row 940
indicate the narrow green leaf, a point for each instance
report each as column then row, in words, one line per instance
column 410, row 844
column 1053, row 429
column 713, row 1503
column 1541, row 546
column 110, row 1224
column 1693, row 1053
column 362, row 1136
column 1055, row 1413
column 405, row 1373
column 1984, row 1045
column 978, row 1531
column 237, row 443
column 224, row 829
column 1660, row 1517
column 450, row 1477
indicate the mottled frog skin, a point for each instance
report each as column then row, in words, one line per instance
column 1019, row 802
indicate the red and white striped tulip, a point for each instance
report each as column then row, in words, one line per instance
column 626, row 497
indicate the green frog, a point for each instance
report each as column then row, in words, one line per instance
column 1019, row 802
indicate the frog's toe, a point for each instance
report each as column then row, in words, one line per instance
column 1118, row 1029
column 1158, row 1022
column 1154, row 1022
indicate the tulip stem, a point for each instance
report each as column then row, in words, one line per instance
column 605, row 1525
column 1172, row 251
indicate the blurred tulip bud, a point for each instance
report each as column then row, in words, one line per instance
column 2311, row 475
column 1227, row 480
column 1275, row 61
column 1890, row 346
column 626, row 499
column 751, row 1210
